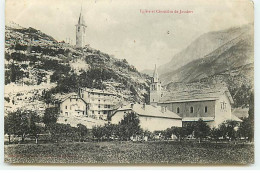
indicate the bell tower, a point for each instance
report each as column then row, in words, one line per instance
column 80, row 31
column 155, row 89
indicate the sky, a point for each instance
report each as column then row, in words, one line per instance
column 119, row 28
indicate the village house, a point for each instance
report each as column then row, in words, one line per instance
column 212, row 104
column 94, row 103
column 152, row 118
column 101, row 103
column 73, row 106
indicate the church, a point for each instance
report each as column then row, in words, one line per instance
column 212, row 104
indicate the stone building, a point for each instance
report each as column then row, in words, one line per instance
column 97, row 104
column 212, row 104
column 152, row 118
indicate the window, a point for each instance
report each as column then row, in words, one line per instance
column 206, row 109
column 98, row 112
column 191, row 109
column 98, row 106
column 83, row 112
column 178, row 110
column 66, row 107
column 92, row 112
column 223, row 105
column 78, row 29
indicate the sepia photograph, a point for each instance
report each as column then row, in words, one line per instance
column 129, row 83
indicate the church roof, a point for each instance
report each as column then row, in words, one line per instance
column 150, row 111
column 190, row 94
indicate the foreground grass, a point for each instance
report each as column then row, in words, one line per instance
column 133, row 153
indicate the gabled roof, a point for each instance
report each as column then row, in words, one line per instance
column 74, row 96
column 235, row 118
column 190, row 94
column 150, row 111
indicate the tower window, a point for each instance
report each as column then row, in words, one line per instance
column 178, row 110
column 78, row 29
column 191, row 109
column 206, row 109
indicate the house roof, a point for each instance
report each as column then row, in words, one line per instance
column 235, row 118
column 195, row 94
column 73, row 96
column 150, row 111
column 98, row 91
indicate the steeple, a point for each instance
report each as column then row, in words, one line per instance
column 155, row 88
column 81, row 18
column 80, row 31
column 155, row 75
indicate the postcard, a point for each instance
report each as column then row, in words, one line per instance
column 109, row 82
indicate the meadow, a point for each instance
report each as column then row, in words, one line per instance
column 116, row 152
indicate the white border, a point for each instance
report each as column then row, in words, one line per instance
column 153, row 169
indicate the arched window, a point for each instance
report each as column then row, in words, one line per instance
column 178, row 110
column 206, row 109
column 191, row 109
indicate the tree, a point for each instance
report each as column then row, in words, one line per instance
column 201, row 130
column 215, row 133
column 129, row 126
column 98, row 132
column 82, row 131
column 246, row 129
column 227, row 129
column 61, row 132
column 21, row 123
column 230, row 127
column 109, row 130
column 50, row 115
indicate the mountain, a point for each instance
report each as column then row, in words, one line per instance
column 232, row 64
column 199, row 48
column 33, row 58
column 233, row 58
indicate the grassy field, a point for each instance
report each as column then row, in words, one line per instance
column 170, row 153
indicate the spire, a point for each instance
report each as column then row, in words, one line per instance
column 81, row 18
column 155, row 75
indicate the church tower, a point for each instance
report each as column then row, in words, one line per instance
column 80, row 31
column 155, row 88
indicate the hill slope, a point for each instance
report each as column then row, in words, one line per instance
column 34, row 58
column 201, row 47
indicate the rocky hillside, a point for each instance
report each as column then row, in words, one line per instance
column 199, row 48
column 34, row 58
